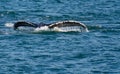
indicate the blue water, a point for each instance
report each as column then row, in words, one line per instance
column 93, row 52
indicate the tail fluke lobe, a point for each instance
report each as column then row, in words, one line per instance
column 23, row 23
column 69, row 24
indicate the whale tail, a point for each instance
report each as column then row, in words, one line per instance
column 23, row 23
column 64, row 25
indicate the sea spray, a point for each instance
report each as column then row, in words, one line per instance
column 9, row 24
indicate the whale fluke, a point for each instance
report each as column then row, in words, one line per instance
column 61, row 25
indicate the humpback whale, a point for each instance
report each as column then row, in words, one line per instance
column 51, row 26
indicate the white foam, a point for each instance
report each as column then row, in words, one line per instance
column 9, row 24
column 44, row 28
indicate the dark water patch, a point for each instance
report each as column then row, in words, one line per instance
column 105, row 72
column 115, row 31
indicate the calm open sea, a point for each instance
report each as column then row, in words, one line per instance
column 93, row 52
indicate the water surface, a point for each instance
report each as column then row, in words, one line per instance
column 94, row 52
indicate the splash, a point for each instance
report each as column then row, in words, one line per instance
column 9, row 25
column 44, row 28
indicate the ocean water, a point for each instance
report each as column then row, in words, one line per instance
column 93, row 52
